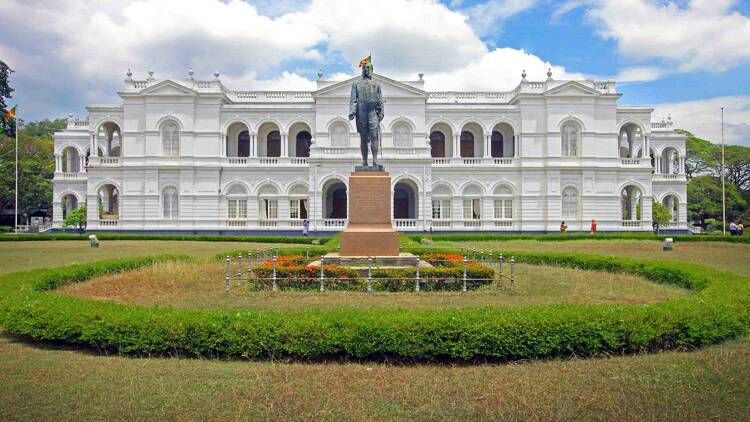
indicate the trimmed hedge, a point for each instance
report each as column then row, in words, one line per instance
column 718, row 310
column 192, row 237
column 478, row 237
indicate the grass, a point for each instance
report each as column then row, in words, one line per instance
column 201, row 285
column 39, row 382
column 19, row 256
column 725, row 256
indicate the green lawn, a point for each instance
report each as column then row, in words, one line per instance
column 42, row 382
column 201, row 285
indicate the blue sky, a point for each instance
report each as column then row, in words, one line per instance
column 686, row 58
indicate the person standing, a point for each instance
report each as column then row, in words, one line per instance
column 740, row 229
column 732, row 229
column 305, row 228
column 593, row 226
column 563, row 227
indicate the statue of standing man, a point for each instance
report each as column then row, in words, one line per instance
column 366, row 104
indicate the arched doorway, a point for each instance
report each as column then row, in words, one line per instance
column 71, row 161
column 404, row 200
column 69, row 202
column 630, row 139
column 108, row 140
column 437, row 144
column 109, row 202
column 502, row 141
column 335, row 200
column 673, row 205
column 631, row 203
column 302, row 144
column 467, row 144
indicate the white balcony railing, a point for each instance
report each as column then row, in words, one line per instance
column 472, row 223
column 658, row 176
column 109, row 161
column 631, row 223
column 268, row 161
column 108, row 223
column 73, row 176
column 334, row 222
column 268, row 223
column 299, row 161
column 503, row 223
column 630, row 161
column 502, row 161
column 238, row 161
column 441, row 161
column 442, row 224
column 471, row 161
column 236, row 223
column 405, row 223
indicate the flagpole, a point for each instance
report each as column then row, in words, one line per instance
column 15, row 212
column 723, row 191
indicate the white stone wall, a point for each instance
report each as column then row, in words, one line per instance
column 207, row 114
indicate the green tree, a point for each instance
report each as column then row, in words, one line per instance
column 45, row 128
column 6, row 92
column 76, row 219
column 660, row 216
column 704, row 194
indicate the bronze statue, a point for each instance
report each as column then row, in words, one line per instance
column 366, row 104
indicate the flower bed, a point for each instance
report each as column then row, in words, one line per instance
column 447, row 274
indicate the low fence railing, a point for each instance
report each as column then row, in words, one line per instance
column 242, row 268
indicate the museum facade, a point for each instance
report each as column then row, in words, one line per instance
column 192, row 155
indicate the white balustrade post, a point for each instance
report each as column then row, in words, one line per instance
column 369, row 274
column 239, row 269
column 512, row 272
column 416, row 288
column 275, row 286
column 226, row 278
column 466, row 264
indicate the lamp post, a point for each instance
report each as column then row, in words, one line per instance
column 723, row 190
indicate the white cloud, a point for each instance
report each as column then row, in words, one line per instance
column 487, row 18
column 703, row 118
column 639, row 74
column 78, row 54
column 702, row 35
column 499, row 69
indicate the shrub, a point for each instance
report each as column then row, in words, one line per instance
column 479, row 237
column 6, row 229
column 77, row 219
column 133, row 236
column 718, row 310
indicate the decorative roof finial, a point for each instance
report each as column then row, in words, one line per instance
column 523, row 74
column 320, row 74
column 150, row 74
column 549, row 73
column 216, row 75
column 129, row 74
column 190, row 72
column 421, row 76
column 669, row 117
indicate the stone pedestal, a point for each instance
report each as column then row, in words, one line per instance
column 370, row 232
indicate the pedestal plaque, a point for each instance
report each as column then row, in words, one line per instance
column 370, row 232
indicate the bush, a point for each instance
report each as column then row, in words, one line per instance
column 6, row 229
column 718, row 310
column 77, row 219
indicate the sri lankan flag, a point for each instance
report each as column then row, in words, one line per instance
column 366, row 60
column 10, row 114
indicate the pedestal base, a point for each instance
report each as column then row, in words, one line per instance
column 370, row 231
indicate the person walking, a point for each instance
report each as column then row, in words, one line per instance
column 593, row 226
column 732, row 229
column 563, row 227
column 305, row 228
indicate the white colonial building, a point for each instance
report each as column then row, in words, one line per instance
column 192, row 155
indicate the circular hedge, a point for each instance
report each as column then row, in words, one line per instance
column 718, row 309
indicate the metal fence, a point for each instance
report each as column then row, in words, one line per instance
column 503, row 270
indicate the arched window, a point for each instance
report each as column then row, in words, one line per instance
column 170, row 203
column 243, row 144
column 467, row 144
column 401, row 135
column 503, row 203
column 437, row 144
column 570, row 139
column 441, row 203
column 170, row 138
column 496, row 145
column 273, row 144
column 339, row 135
column 570, row 203
column 236, row 203
column 302, row 146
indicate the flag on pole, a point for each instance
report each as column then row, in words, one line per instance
column 366, row 60
column 10, row 114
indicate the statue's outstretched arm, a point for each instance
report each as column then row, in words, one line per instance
column 353, row 102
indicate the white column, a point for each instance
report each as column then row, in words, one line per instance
column 284, row 145
column 92, row 148
column 487, row 145
column 681, row 170
column 82, row 165
column 644, row 146
column 657, row 163
column 58, row 163
column 456, row 146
